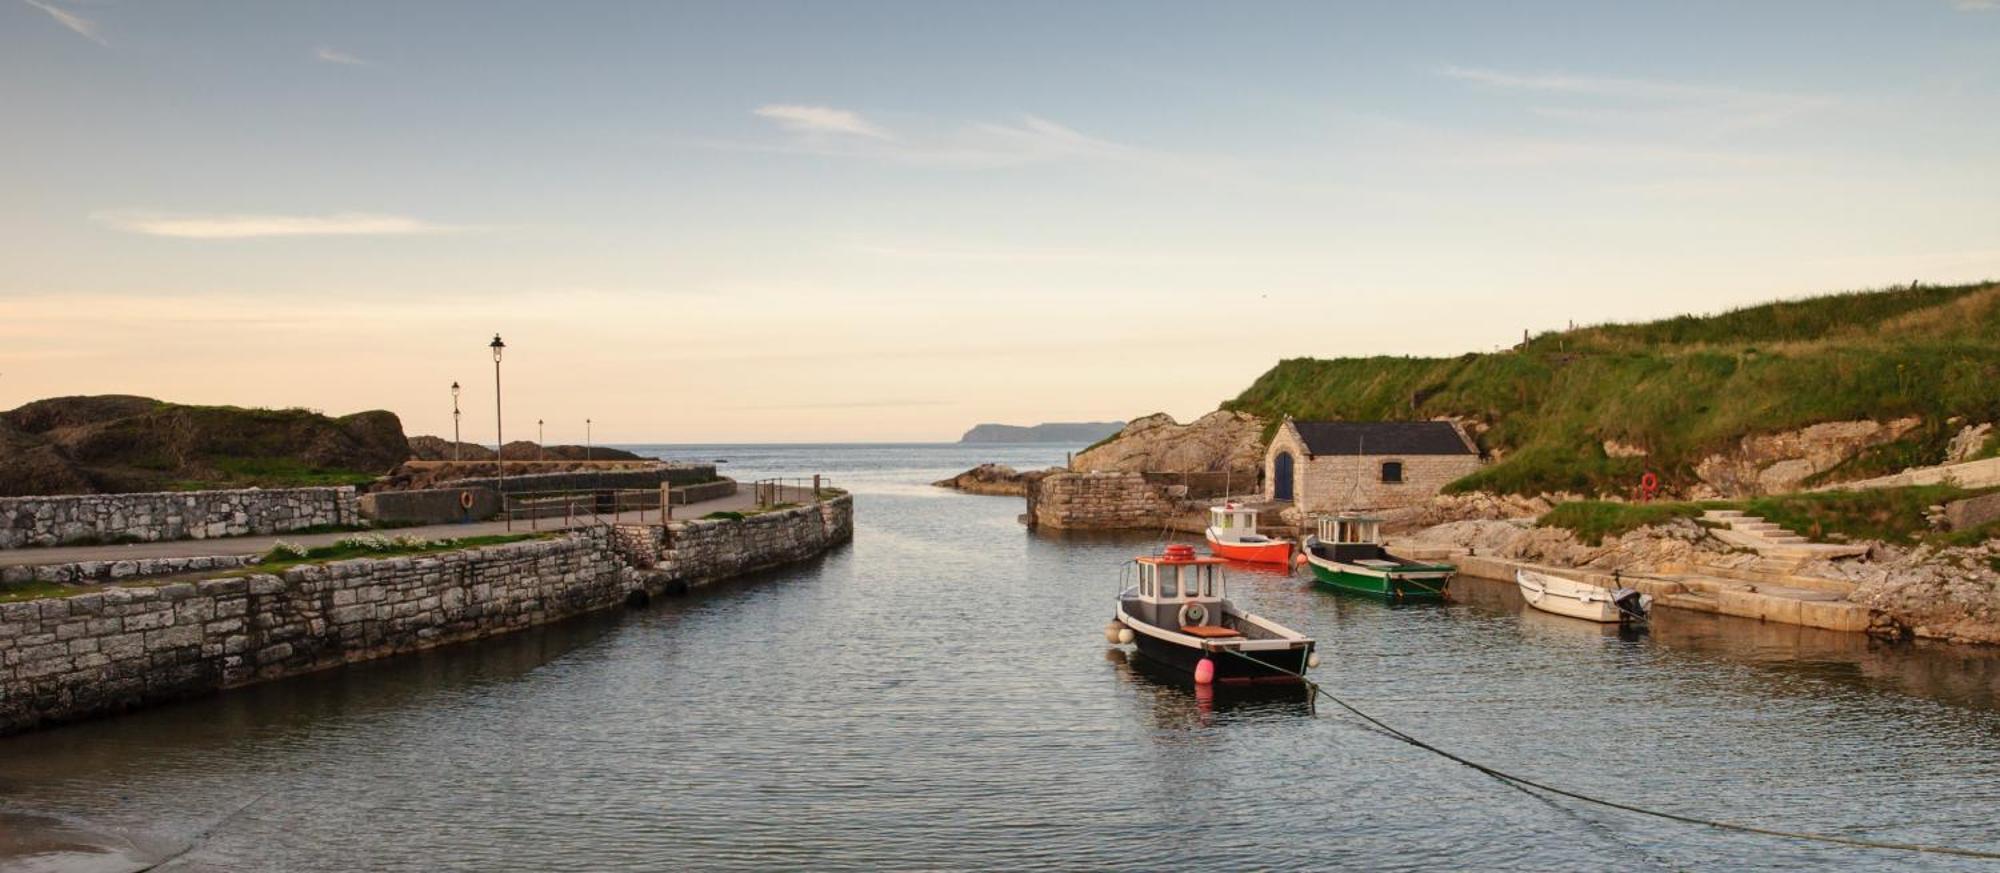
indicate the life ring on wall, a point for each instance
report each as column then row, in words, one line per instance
column 1193, row 614
column 465, row 499
column 1649, row 486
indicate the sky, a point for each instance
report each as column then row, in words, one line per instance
column 797, row 222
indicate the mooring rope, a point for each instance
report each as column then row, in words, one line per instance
column 205, row 833
column 1522, row 781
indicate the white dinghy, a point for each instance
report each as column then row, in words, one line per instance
column 1582, row 600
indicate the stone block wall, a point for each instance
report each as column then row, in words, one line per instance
column 586, row 480
column 1099, row 501
column 92, row 572
column 430, row 505
column 171, row 515
column 700, row 551
column 1336, row 483
column 111, row 650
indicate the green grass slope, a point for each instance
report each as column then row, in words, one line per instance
column 1682, row 388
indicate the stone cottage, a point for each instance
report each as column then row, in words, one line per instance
column 1333, row 466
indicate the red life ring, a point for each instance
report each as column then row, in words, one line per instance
column 1649, row 482
column 465, row 499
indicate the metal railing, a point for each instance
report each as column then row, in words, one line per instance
column 794, row 491
column 588, row 506
column 604, row 506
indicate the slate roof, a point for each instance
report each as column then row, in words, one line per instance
column 1382, row 438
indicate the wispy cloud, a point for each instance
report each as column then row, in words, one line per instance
column 1625, row 100
column 817, row 120
column 336, row 56
column 83, row 26
column 827, row 131
column 242, row 226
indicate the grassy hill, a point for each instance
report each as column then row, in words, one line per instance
column 115, row 443
column 1681, row 388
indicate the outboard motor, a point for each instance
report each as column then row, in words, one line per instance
column 1632, row 605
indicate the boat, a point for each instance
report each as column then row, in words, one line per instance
column 1178, row 615
column 1555, row 594
column 1232, row 533
column 1346, row 554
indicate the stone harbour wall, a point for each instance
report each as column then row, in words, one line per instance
column 91, row 572
column 171, row 515
column 107, row 651
column 1099, row 501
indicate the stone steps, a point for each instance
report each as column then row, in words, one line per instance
column 1771, row 540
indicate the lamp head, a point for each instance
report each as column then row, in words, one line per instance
column 497, row 346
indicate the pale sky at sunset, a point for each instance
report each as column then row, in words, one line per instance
column 891, row 221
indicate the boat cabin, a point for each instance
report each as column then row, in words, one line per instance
column 1349, row 538
column 1232, row 518
column 1173, row 580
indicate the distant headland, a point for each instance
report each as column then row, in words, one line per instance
column 1080, row 432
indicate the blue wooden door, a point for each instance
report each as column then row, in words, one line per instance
column 1281, row 476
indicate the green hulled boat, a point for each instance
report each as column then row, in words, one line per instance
column 1347, row 555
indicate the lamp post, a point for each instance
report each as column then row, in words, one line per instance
column 499, row 433
column 454, row 422
column 540, row 440
column 586, row 440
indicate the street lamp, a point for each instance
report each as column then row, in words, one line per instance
column 586, row 440
column 540, row 440
column 499, row 434
column 454, row 422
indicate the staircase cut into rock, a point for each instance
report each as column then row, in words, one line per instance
column 1775, row 545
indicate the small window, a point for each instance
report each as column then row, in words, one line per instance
column 1392, row 471
column 1228, row 521
column 1208, row 581
column 1170, row 585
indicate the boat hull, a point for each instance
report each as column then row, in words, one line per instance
column 1261, row 668
column 1392, row 585
column 1272, row 552
column 1568, row 597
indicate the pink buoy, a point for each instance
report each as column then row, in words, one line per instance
column 1204, row 672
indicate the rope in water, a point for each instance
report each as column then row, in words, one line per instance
column 1524, row 782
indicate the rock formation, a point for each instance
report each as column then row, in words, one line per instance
column 1217, row 441
column 995, row 479
column 1777, row 463
column 82, row 445
column 430, row 448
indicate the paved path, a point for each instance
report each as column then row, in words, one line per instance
column 743, row 499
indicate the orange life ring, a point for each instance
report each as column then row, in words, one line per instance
column 465, row 499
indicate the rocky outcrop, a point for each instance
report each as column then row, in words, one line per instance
column 116, row 444
column 1968, row 443
column 995, row 479
column 1220, row 440
column 1476, row 506
column 1677, row 543
column 1946, row 594
column 430, row 448
column 1777, row 463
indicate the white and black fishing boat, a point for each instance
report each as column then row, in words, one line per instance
column 1555, row 594
column 1178, row 614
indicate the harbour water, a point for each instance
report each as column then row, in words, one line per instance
column 939, row 696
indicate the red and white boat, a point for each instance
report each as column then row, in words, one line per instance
column 1232, row 534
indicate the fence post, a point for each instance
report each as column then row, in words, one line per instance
column 815, row 487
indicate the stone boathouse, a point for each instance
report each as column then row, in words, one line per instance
column 1334, row 466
